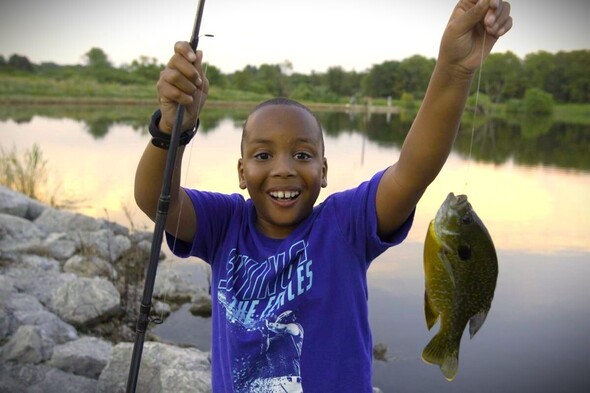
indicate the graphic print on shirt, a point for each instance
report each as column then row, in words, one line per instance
column 259, row 302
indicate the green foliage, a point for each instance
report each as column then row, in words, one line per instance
column 505, row 77
column 96, row 58
column 502, row 77
column 408, row 102
column 484, row 104
column 414, row 76
column 538, row 102
column 514, row 106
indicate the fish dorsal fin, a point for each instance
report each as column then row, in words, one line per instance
column 447, row 265
column 430, row 314
column 476, row 322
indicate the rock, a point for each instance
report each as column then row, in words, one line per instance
column 90, row 266
column 23, row 309
column 87, row 356
column 17, row 204
column 4, row 324
column 161, row 309
column 38, row 283
column 6, row 287
column 17, row 233
column 40, row 264
column 103, row 243
column 201, row 304
column 59, row 221
column 85, row 301
column 39, row 378
column 28, row 345
column 59, row 246
column 172, row 284
column 56, row 269
column 164, row 368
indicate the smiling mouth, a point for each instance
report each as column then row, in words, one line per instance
column 284, row 195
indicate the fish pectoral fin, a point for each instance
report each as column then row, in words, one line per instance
column 442, row 352
column 476, row 322
column 430, row 314
column 447, row 266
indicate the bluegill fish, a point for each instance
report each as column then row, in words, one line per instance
column 460, row 269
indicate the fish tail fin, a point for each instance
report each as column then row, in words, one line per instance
column 442, row 352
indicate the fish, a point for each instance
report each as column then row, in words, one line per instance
column 461, row 272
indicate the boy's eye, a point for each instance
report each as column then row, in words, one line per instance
column 262, row 156
column 302, row 156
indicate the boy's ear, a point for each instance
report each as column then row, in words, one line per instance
column 325, row 173
column 241, row 174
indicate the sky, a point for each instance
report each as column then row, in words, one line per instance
column 311, row 34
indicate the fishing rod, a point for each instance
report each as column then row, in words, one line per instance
column 160, row 223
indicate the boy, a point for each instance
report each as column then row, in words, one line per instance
column 289, row 283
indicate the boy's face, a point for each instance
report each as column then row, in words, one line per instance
column 282, row 166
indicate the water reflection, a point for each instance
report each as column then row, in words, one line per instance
column 530, row 187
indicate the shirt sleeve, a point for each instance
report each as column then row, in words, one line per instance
column 214, row 212
column 355, row 212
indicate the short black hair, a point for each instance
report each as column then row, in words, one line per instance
column 277, row 101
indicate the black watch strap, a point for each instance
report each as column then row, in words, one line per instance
column 161, row 139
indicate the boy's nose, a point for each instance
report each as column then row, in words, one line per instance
column 283, row 166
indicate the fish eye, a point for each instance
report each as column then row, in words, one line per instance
column 464, row 252
column 466, row 219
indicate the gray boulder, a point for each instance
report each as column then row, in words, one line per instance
column 18, row 234
column 85, row 301
column 164, row 368
column 87, row 356
column 22, row 309
column 28, row 345
column 16, row 204
column 103, row 243
column 60, row 221
column 39, row 378
column 59, row 246
column 172, row 284
column 90, row 266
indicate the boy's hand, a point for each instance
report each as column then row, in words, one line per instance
column 182, row 82
column 463, row 39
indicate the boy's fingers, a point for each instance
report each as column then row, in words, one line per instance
column 184, row 49
column 500, row 21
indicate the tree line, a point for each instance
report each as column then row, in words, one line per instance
column 565, row 76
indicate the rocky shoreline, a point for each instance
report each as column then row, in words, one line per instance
column 70, row 287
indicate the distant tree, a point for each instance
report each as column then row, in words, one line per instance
column 20, row 63
column 538, row 102
column 537, row 68
column 415, row 74
column 146, row 68
column 383, row 80
column 502, row 77
column 215, row 76
column 96, row 58
column 574, row 68
column 243, row 79
column 2, row 61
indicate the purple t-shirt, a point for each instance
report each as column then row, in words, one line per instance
column 290, row 315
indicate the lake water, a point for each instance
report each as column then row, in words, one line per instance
column 528, row 181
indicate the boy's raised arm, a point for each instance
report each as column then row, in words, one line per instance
column 181, row 82
column 433, row 132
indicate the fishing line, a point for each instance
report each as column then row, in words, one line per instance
column 483, row 43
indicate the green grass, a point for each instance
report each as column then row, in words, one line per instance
column 30, row 88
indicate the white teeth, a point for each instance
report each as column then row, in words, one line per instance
column 284, row 194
